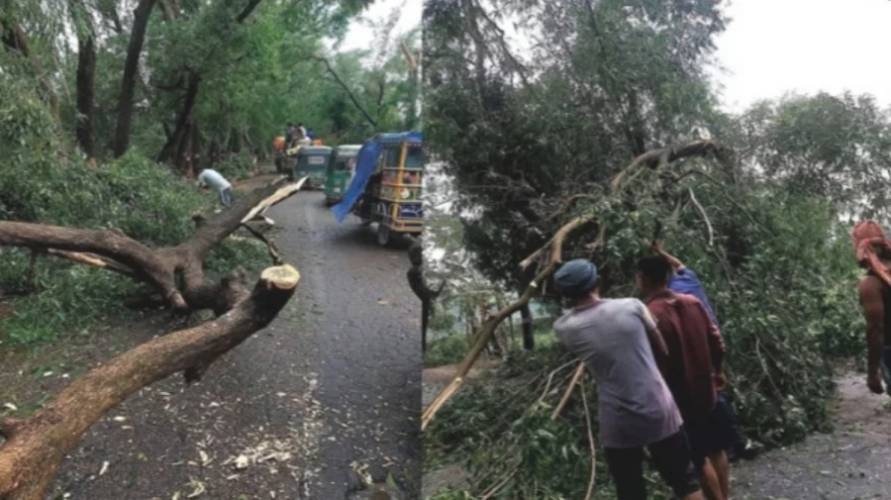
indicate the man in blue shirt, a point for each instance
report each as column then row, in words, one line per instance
column 686, row 281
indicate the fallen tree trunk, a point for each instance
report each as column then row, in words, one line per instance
column 176, row 272
column 553, row 250
column 35, row 447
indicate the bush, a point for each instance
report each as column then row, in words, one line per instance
column 235, row 166
column 43, row 181
column 498, row 426
column 446, row 350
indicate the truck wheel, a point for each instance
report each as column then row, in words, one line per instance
column 383, row 234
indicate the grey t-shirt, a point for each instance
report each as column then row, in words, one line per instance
column 635, row 407
column 213, row 179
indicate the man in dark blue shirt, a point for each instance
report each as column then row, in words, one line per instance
column 686, row 281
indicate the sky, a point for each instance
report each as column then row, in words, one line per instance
column 774, row 46
column 770, row 47
column 360, row 33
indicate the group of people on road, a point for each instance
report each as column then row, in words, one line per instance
column 658, row 368
column 294, row 134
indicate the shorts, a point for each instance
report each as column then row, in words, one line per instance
column 886, row 367
column 671, row 457
column 714, row 434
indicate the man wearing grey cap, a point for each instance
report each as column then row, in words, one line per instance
column 635, row 407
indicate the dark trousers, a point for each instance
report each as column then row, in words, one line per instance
column 671, row 457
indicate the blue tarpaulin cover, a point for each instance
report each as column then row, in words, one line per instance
column 366, row 161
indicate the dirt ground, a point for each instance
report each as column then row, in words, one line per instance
column 323, row 404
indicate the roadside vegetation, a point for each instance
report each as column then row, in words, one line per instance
column 535, row 140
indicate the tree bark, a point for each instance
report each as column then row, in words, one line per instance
column 36, row 447
column 528, row 336
column 86, row 74
column 176, row 272
column 128, row 83
column 175, row 147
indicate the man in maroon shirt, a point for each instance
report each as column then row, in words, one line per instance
column 691, row 369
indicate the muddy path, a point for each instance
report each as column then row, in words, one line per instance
column 852, row 462
column 316, row 406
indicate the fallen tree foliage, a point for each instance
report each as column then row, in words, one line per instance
column 35, row 447
column 552, row 254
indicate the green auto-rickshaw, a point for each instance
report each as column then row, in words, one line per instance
column 312, row 162
column 340, row 171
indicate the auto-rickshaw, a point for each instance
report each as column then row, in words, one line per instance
column 340, row 171
column 312, row 161
column 392, row 196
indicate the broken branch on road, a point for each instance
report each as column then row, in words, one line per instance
column 177, row 272
column 36, row 446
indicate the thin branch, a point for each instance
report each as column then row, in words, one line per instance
column 579, row 371
column 590, row 444
column 708, row 223
column 270, row 246
column 346, row 89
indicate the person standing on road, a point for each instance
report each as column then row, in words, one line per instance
column 873, row 253
column 635, row 407
column 691, row 369
column 289, row 135
column 214, row 180
column 685, row 280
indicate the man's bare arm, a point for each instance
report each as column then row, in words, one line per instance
column 660, row 348
column 676, row 263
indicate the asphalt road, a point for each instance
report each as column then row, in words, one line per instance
column 323, row 404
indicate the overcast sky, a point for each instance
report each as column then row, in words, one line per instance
column 361, row 34
column 774, row 46
column 769, row 48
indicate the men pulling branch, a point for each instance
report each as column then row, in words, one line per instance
column 616, row 339
column 658, row 370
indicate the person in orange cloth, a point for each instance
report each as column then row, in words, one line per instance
column 278, row 143
column 873, row 252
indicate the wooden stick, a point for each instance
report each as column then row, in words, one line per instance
column 590, row 444
column 579, row 371
column 708, row 223
column 94, row 260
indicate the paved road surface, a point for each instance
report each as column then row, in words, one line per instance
column 321, row 402
column 851, row 463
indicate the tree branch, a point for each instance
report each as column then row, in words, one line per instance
column 247, row 11
column 554, row 250
column 162, row 267
column 346, row 89
column 36, row 447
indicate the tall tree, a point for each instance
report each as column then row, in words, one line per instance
column 86, row 75
column 141, row 16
